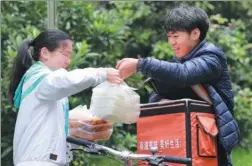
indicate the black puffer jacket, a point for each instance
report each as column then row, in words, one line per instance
column 207, row 65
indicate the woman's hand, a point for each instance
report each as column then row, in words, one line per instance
column 113, row 76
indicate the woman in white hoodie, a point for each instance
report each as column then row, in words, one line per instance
column 39, row 87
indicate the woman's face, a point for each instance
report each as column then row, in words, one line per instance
column 60, row 57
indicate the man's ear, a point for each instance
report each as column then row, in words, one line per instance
column 44, row 53
column 195, row 34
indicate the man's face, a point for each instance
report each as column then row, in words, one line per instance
column 60, row 58
column 182, row 42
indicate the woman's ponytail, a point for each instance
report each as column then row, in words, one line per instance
column 22, row 63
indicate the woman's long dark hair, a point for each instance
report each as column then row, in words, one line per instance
column 50, row 39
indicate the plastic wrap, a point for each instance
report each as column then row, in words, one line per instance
column 115, row 103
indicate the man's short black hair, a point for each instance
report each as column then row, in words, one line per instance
column 187, row 18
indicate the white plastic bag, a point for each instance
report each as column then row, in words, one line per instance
column 84, row 125
column 115, row 103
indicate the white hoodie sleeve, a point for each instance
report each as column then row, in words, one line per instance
column 61, row 83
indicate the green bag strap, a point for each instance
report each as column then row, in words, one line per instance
column 19, row 94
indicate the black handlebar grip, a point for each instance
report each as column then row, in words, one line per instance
column 78, row 141
column 179, row 160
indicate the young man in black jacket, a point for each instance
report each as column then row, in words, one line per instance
column 196, row 62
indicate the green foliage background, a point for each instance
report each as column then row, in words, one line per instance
column 105, row 32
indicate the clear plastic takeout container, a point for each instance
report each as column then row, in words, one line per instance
column 90, row 126
column 92, row 136
column 93, row 130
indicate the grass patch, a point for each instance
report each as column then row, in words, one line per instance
column 242, row 157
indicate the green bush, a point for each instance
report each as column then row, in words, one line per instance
column 105, row 32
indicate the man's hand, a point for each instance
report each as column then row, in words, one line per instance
column 127, row 67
